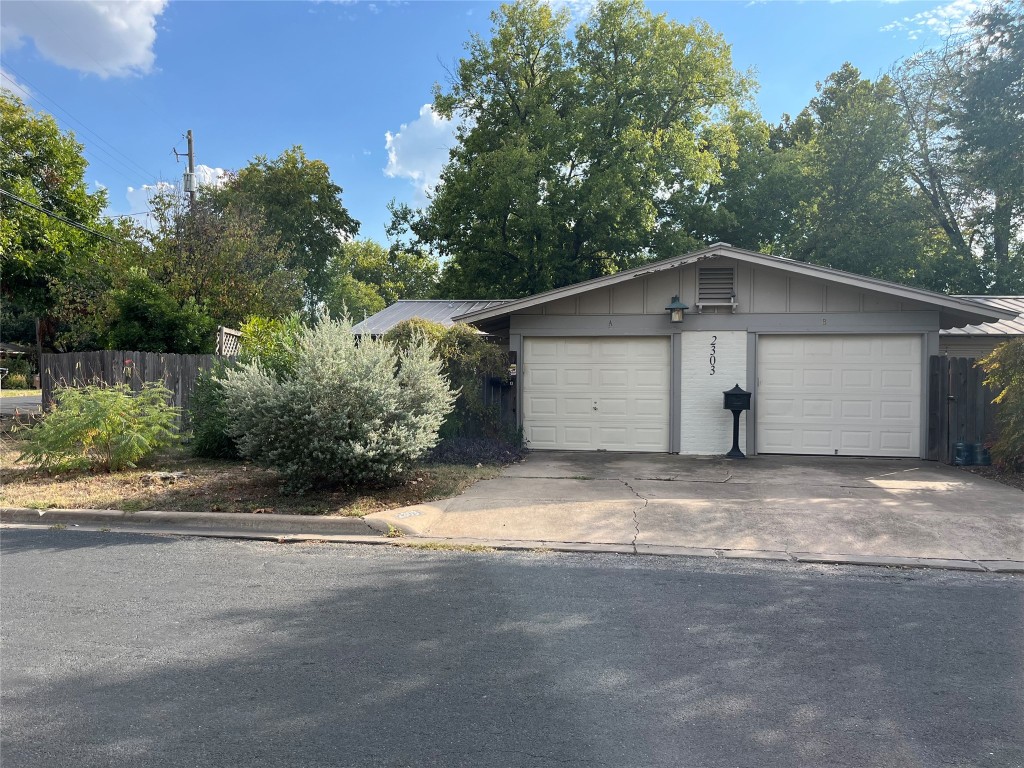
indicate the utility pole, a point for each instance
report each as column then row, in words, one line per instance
column 191, row 170
column 190, row 175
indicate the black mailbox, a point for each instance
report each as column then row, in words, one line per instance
column 736, row 399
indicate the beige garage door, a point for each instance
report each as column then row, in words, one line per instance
column 607, row 393
column 839, row 395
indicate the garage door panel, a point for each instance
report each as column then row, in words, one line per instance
column 579, row 377
column 855, row 442
column 818, row 378
column 613, row 377
column 897, row 379
column 597, row 394
column 854, row 395
column 816, row 409
column 579, row 349
column 541, row 376
column 856, row 409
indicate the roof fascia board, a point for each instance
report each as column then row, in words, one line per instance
column 797, row 267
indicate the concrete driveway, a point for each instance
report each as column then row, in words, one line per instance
column 863, row 507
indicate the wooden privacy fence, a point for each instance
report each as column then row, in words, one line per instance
column 960, row 408
column 177, row 372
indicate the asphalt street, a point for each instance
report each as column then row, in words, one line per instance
column 135, row 650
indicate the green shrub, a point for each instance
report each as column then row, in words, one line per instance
column 145, row 318
column 209, row 417
column 352, row 412
column 15, row 381
column 102, row 427
column 271, row 342
column 1005, row 370
column 469, row 361
column 17, row 365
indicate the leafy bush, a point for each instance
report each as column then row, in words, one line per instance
column 209, row 417
column 17, row 365
column 271, row 342
column 469, row 360
column 103, row 427
column 15, row 381
column 146, row 318
column 1005, row 369
column 352, row 412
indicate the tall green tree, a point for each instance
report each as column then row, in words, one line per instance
column 200, row 266
column 574, row 152
column 829, row 186
column 223, row 258
column 366, row 277
column 963, row 106
column 44, row 166
column 856, row 211
column 301, row 205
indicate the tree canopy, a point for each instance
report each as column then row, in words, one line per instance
column 574, row 151
column 580, row 150
column 44, row 167
column 299, row 204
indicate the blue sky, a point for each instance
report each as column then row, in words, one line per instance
column 351, row 81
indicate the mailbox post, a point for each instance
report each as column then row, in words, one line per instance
column 736, row 400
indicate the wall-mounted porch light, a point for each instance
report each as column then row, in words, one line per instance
column 676, row 309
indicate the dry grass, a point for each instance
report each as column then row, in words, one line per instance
column 213, row 486
column 21, row 392
column 444, row 546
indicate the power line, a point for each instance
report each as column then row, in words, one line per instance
column 127, row 163
column 57, row 216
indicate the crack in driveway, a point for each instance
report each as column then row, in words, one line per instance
column 636, row 512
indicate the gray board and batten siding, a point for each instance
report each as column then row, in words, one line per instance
column 772, row 298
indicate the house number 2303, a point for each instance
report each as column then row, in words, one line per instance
column 714, row 352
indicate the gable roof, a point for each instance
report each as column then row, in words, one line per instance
column 436, row 310
column 959, row 309
column 1011, row 327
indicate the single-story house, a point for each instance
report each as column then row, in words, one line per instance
column 836, row 362
column 980, row 339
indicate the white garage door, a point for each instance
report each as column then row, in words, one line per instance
column 839, row 395
column 596, row 393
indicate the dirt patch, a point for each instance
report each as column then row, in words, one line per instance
column 1004, row 476
column 174, row 481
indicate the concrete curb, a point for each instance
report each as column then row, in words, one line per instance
column 351, row 530
column 241, row 522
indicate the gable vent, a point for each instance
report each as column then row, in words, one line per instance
column 716, row 286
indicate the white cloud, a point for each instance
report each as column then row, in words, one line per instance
column 419, row 150
column 579, row 9
column 10, row 83
column 943, row 20
column 109, row 38
column 140, row 199
column 211, row 177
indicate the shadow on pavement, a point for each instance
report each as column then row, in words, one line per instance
column 265, row 655
column 68, row 540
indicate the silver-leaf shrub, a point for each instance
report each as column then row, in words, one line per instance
column 354, row 411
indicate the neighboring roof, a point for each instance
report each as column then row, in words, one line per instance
column 960, row 309
column 15, row 349
column 436, row 310
column 1014, row 327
